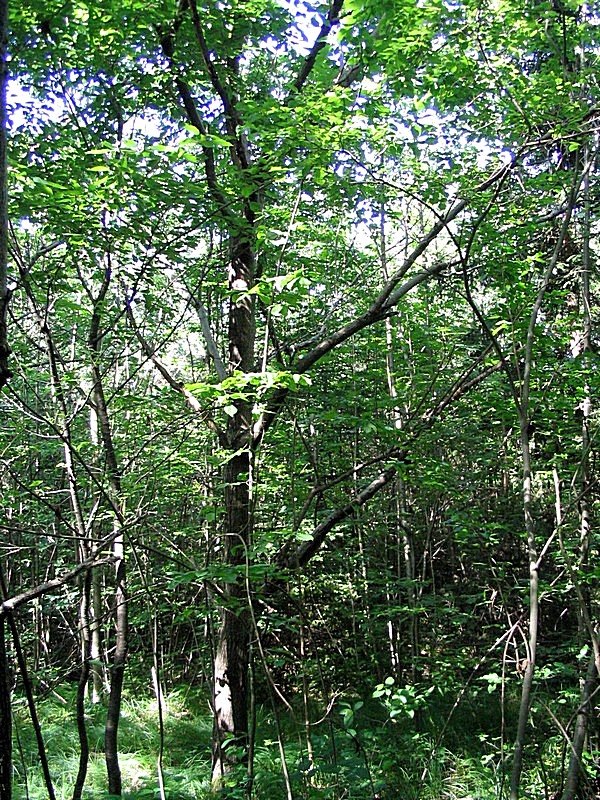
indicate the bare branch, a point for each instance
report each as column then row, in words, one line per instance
column 291, row 558
column 307, row 550
column 167, row 43
column 211, row 345
column 218, row 85
column 178, row 386
column 10, row 605
column 333, row 17
column 383, row 305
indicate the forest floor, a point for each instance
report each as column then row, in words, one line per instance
column 357, row 753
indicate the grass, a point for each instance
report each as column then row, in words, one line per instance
column 375, row 759
column 186, row 763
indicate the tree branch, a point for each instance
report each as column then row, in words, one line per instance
column 291, row 558
column 167, row 43
column 211, row 345
column 218, row 85
column 176, row 385
column 10, row 605
column 307, row 550
column 333, row 17
column 382, row 306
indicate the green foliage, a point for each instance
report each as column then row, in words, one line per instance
column 361, row 756
column 129, row 214
column 401, row 700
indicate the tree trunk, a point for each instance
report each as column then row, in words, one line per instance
column 99, row 685
column 114, row 495
column 523, row 407
column 230, row 699
column 526, row 689
column 96, row 661
column 111, row 752
column 230, row 694
column 5, row 373
column 230, row 678
column 84, row 748
column 5, row 718
column 581, row 345
column 581, row 725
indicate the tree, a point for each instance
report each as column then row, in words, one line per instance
column 5, row 714
column 4, row 290
column 222, row 252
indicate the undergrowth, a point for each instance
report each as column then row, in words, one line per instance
column 358, row 752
